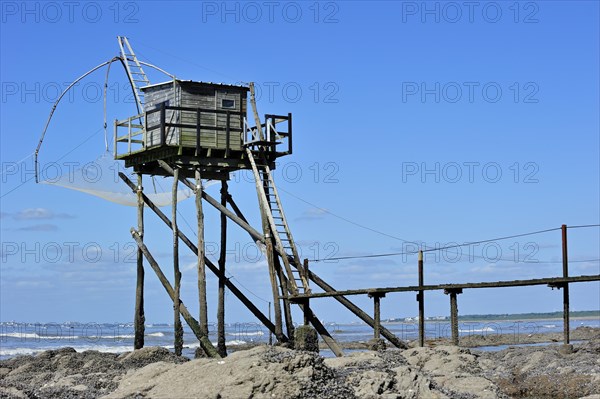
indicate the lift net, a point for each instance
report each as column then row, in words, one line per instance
column 101, row 179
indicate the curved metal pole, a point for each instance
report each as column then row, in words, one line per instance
column 37, row 150
column 158, row 69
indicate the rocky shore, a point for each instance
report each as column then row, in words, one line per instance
column 436, row 371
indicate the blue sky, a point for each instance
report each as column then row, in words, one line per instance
column 434, row 122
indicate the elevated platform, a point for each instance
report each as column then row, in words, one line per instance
column 198, row 145
column 214, row 164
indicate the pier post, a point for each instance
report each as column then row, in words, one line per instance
column 421, row 300
column 139, row 317
column 222, row 257
column 454, row 312
column 201, row 262
column 178, row 328
column 377, row 313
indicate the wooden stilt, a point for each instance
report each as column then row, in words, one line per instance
column 194, row 326
column 232, row 287
column 222, row 257
column 139, row 318
column 201, row 263
column 273, row 279
column 176, row 302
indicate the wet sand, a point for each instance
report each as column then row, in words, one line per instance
column 436, row 371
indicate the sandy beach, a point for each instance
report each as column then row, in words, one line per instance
column 436, row 371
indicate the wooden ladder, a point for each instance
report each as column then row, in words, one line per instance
column 272, row 208
column 136, row 74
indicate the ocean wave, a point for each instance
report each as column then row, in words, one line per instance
column 20, row 351
column 156, row 334
column 96, row 337
column 81, row 348
column 549, row 326
column 37, row 336
column 247, row 334
column 485, row 329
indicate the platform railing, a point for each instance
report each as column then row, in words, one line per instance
column 134, row 129
column 138, row 125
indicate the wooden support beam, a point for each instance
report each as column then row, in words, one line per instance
column 139, row 317
column 488, row 284
column 421, row 299
column 222, row 260
column 194, row 326
column 565, row 267
column 201, row 267
column 453, row 312
column 178, row 333
column 232, row 287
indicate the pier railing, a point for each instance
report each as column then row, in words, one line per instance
column 453, row 290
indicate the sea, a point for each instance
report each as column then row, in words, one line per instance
column 31, row 338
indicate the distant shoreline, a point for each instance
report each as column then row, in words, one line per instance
column 581, row 315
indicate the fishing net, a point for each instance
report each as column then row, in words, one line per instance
column 101, row 179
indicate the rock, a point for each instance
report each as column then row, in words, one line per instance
column 566, row 349
column 306, row 339
column 199, row 353
column 151, row 354
column 377, row 345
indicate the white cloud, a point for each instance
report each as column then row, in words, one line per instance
column 312, row 214
column 39, row 214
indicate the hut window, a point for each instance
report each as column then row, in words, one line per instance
column 226, row 103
